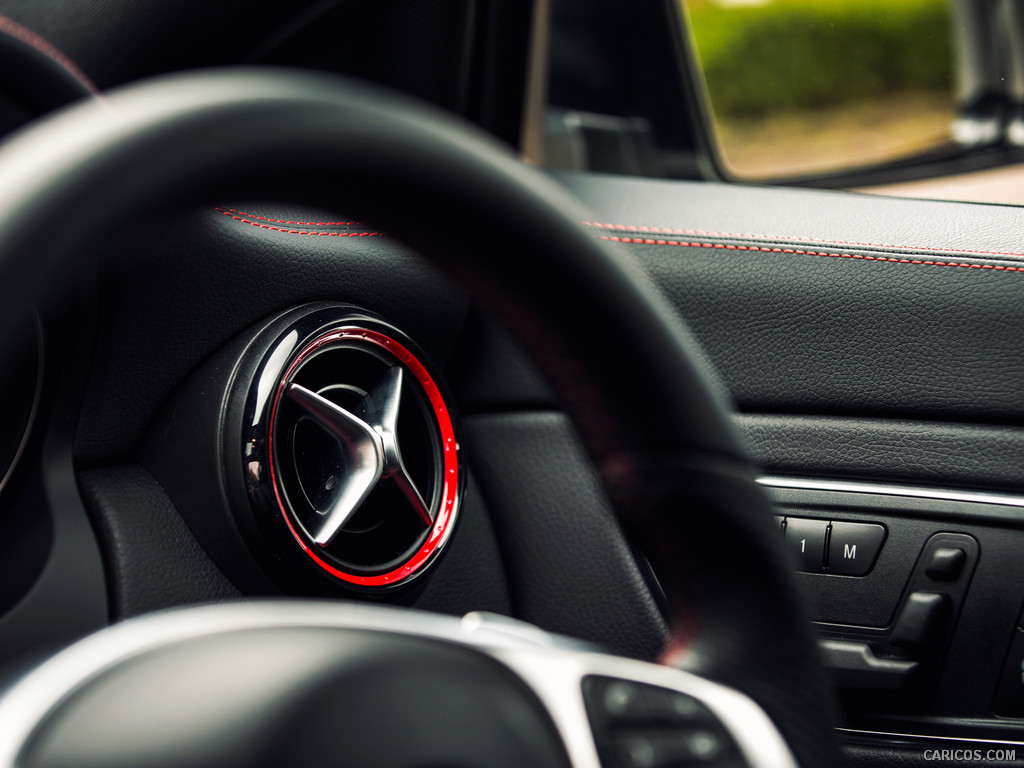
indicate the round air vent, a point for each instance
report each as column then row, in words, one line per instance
column 352, row 456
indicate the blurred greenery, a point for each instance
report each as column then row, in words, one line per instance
column 782, row 55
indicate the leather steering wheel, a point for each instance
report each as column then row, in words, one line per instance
column 627, row 371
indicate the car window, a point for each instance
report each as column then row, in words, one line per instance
column 799, row 87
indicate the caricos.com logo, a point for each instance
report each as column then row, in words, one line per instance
column 973, row 755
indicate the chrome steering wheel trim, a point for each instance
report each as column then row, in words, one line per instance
column 553, row 668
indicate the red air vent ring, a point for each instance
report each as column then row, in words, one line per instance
column 447, row 506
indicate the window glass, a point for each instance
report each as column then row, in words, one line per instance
column 801, row 87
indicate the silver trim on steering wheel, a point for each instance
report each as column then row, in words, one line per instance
column 554, row 668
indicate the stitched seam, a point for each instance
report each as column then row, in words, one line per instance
column 47, row 48
column 708, row 233
column 763, row 249
column 302, row 231
column 230, row 211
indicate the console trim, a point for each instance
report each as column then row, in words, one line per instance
column 923, row 737
column 884, row 489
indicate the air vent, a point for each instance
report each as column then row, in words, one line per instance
column 353, row 446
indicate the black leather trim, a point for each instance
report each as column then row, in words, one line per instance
column 153, row 560
column 901, row 450
column 592, row 590
column 296, row 221
column 794, row 333
column 178, row 293
column 923, row 452
column 786, row 246
column 785, row 215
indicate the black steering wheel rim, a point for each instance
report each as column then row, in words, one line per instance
column 627, row 371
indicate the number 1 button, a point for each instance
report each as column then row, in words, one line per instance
column 806, row 540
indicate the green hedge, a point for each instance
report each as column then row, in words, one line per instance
column 799, row 54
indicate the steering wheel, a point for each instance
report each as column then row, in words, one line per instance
column 742, row 660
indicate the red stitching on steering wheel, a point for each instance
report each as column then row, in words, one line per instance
column 44, row 46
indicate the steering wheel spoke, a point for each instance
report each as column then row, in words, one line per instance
column 364, row 451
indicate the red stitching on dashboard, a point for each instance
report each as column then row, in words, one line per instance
column 301, row 231
column 891, row 259
column 230, row 211
column 698, row 232
column 44, row 46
